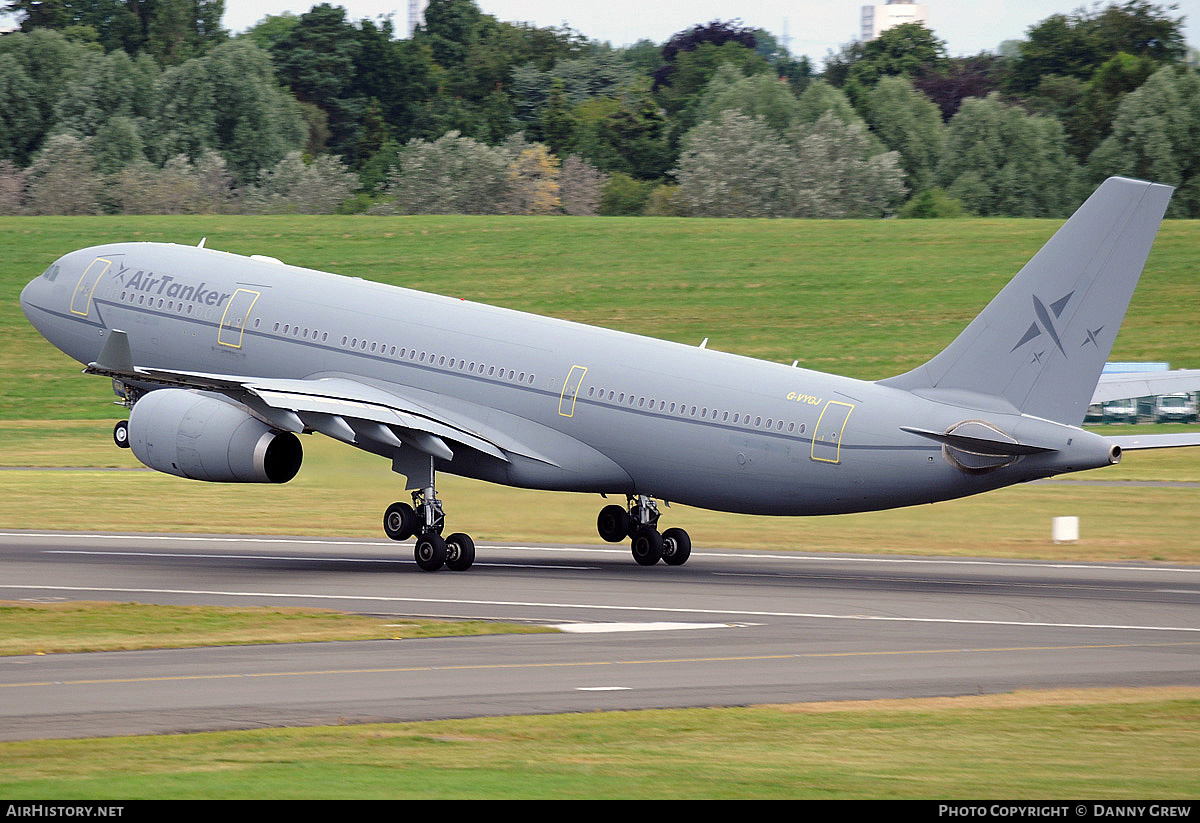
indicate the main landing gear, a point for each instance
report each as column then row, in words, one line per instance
column 640, row 523
column 425, row 519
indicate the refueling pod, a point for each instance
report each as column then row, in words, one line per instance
column 203, row 436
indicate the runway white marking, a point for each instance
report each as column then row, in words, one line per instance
column 604, row 628
column 605, row 607
column 777, row 556
column 288, row 558
column 603, row 689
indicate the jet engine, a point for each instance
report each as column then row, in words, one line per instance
column 204, row 436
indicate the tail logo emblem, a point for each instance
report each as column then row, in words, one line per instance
column 1044, row 323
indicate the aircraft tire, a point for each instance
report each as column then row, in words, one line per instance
column 677, row 547
column 647, row 546
column 121, row 434
column 460, row 552
column 399, row 521
column 430, row 552
column 613, row 524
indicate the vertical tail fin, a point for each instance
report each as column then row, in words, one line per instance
column 1041, row 343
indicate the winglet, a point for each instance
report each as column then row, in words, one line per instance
column 115, row 357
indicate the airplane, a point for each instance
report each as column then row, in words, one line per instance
column 223, row 360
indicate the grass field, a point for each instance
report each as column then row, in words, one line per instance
column 1105, row 744
column 82, row 626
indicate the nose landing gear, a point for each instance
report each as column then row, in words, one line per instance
column 640, row 524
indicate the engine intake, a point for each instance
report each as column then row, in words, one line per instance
column 204, row 436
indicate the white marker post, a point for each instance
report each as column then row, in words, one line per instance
column 1065, row 529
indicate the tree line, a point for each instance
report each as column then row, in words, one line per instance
column 149, row 106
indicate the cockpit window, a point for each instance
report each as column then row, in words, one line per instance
column 51, row 272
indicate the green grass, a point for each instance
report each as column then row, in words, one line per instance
column 863, row 298
column 1106, row 744
column 82, row 626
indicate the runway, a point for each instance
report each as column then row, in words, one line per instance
column 729, row 628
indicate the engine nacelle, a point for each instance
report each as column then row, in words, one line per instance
column 203, row 436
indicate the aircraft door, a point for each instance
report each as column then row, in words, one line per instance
column 827, row 436
column 570, row 390
column 81, row 299
column 233, row 321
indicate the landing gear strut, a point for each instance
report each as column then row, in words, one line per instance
column 639, row 523
column 425, row 519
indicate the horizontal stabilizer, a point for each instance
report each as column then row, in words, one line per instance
column 1134, row 442
column 995, row 446
column 1125, row 385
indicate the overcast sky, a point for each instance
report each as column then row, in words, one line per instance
column 814, row 27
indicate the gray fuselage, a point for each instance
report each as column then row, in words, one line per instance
column 614, row 412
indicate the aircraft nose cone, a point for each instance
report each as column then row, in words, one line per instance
column 29, row 297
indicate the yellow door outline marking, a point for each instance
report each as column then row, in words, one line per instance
column 87, row 296
column 571, row 385
column 817, row 433
column 241, row 328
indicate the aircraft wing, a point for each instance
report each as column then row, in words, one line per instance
column 344, row 409
column 1143, row 384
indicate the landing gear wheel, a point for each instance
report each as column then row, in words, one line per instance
column 399, row 521
column 430, row 552
column 677, row 547
column 121, row 434
column 647, row 546
column 460, row 552
column 613, row 524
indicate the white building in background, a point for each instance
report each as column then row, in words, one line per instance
column 878, row 19
column 416, row 15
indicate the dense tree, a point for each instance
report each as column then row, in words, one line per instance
column 316, row 60
column 1077, row 44
column 841, row 172
column 736, row 166
column 36, row 70
column 293, row 186
column 908, row 123
column 796, row 71
column 628, row 134
column 450, row 175
column 622, row 195
column 229, row 101
column 580, row 185
column 757, row 95
column 170, row 30
column 1156, row 136
column 63, row 178
column 12, row 188
column 961, row 77
column 1086, row 108
column 178, row 187
column 741, row 166
column 532, row 182
column 153, row 88
column 1001, row 161
column 908, row 50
